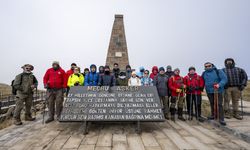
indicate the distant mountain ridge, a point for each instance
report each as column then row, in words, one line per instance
column 5, row 89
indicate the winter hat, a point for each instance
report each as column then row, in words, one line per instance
column 122, row 74
column 176, row 69
column 55, row 63
column 73, row 64
column 161, row 69
column 169, row 67
column 191, row 68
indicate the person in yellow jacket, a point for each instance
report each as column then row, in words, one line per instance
column 76, row 79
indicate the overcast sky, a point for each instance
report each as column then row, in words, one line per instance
column 182, row 33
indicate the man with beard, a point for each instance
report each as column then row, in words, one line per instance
column 24, row 84
column 55, row 82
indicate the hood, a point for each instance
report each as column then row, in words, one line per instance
column 93, row 65
column 141, row 68
column 155, row 68
column 233, row 65
column 102, row 69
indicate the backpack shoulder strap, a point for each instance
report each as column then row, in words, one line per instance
column 218, row 74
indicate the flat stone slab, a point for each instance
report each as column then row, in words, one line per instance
column 121, row 136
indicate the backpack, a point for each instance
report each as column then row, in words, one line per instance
column 13, row 89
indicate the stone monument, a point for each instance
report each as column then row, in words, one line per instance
column 117, row 51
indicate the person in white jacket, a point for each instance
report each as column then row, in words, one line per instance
column 134, row 80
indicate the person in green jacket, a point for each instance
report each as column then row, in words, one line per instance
column 122, row 79
column 25, row 83
column 76, row 79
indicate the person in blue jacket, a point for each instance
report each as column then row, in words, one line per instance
column 91, row 79
column 140, row 73
column 215, row 80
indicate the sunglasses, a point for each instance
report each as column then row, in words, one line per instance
column 208, row 66
column 27, row 68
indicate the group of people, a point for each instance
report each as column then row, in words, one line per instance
column 175, row 92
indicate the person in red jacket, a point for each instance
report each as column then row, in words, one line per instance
column 55, row 82
column 155, row 71
column 69, row 73
column 177, row 88
column 195, row 85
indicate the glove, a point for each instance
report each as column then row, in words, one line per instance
column 190, row 89
column 178, row 90
column 197, row 88
column 241, row 87
column 64, row 90
column 216, row 86
column 201, row 89
column 183, row 87
column 46, row 86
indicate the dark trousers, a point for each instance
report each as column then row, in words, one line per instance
column 191, row 102
column 55, row 102
column 220, row 101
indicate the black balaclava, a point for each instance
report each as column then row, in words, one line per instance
column 107, row 70
column 229, row 65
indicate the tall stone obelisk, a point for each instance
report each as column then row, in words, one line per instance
column 117, row 51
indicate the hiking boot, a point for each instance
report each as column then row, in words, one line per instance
column 190, row 118
column 180, row 112
column 29, row 118
column 166, row 116
column 237, row 116
column 181, row 118
column 223, row 123
column 227, row 115
column 200, row 119
column 210, row 118
column 18, row 122
column 49, row 120
column 173, row 118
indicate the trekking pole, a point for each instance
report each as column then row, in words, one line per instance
column 190, row 107
column 184, row 101
column 241, row 101
column 178, row 98
column 44, row 106
column 216, row 115
column 196, row 105
column 33, row 103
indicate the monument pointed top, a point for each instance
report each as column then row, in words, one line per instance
column 117, row 51
column 118, row 16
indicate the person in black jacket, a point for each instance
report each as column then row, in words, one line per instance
column 237, row 81
column 107, row 79
column 161, row 83
column 116, row 70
